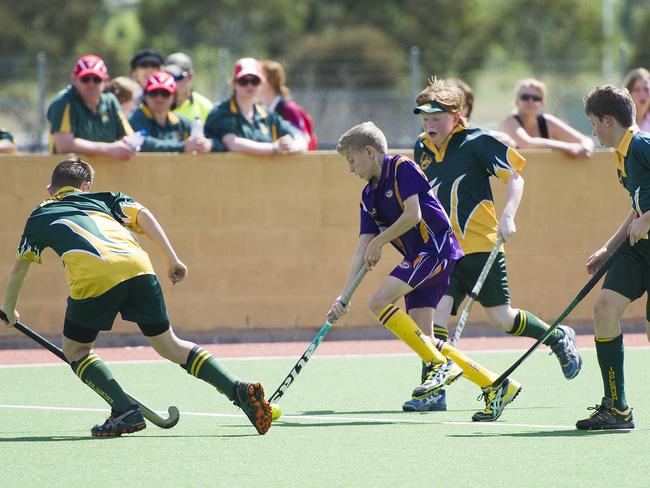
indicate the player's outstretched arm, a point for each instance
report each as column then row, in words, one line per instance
column 146, row 221
column 14, row 285
column 596, row 260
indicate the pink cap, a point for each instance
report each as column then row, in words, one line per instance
column 91, row 64
column 161, row 80
column 248, row 67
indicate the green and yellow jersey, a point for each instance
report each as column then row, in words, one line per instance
column 68, row 114
column 91, row 232
column 459, row 173
column 632, row 157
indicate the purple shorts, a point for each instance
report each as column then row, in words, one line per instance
column 429, row 276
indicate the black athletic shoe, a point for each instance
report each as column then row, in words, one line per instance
column 605, row 416
column 250, row 398
column 120, row 423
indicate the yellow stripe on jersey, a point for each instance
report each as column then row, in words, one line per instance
column 66, row 126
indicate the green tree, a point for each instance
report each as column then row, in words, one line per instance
column 562, row 36
column 359, row 57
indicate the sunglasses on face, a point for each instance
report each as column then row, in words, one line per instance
column 94, row 79
column 250, row 80
column 148, row 65
column 527, row 97
column 159, row 93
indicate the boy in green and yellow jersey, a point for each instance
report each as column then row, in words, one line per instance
column 108, row 272
column 459, row 162
column 611, row 112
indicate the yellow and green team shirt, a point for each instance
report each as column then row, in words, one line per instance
column 68, row 114
column 91, row 232
column 632, row 157
column 459, row 174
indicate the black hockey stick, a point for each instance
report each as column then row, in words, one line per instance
column 579, row 297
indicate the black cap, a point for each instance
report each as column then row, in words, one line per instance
column 144, row 56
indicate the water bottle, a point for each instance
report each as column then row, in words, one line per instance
column 197, row 127
column 137, row 139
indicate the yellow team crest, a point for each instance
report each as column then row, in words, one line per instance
column 425, row 160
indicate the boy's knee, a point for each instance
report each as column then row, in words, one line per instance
column 502, row 318
column 605, row 309
column 75, row 351
column 377, row 303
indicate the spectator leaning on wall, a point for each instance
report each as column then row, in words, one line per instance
column 243, row 125
column 7, row 144
column 83, row 119
column 166, row 131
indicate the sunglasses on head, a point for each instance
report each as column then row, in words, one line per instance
column 159, row 93
column 253, row 80
column 527, row 97
column 94, row 79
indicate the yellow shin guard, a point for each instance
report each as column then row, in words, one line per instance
column 403, row 326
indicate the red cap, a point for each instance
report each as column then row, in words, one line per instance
column 248, row 67
column 160, row 80
column 91, row 64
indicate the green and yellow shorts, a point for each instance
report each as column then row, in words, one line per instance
column 495, row 290
column 138, row 299
column 630, row 273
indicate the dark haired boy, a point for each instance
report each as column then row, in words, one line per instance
column 108, row 272
column 612, row 115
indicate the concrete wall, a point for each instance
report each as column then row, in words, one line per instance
column 268, row 241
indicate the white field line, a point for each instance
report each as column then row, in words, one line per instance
column 320, row 418
column 295, row 357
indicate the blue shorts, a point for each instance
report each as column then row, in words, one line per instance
column 429, row 276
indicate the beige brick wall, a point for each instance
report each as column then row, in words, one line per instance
column 268, row 241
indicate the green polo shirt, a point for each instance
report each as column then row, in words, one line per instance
column 459, row 173
column 69, row 115
column 226, row 118
column 195, row 106
column 632, row 159
column 6, row 135
column 167, row 138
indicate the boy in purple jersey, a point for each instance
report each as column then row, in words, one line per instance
column 398, row 206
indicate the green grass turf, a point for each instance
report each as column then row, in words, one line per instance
column 342, row 426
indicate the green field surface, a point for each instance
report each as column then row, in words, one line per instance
column 342, row 426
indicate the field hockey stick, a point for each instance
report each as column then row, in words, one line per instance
column 581, row 294
column 473, row 295
column 295, row 371
column 150, row 415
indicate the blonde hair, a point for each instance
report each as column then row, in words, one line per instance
column 360, row 136
column 633, row 76
column 531, row 83
column 446, row 94
column 276, row 77
column 124, row 88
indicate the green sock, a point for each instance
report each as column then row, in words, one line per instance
column 527, row 325
column 94, row 373
column 439, row 332
column 610, row 354
column 203, row 365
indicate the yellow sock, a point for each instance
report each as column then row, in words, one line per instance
column 474, row 372
column 404, row 327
